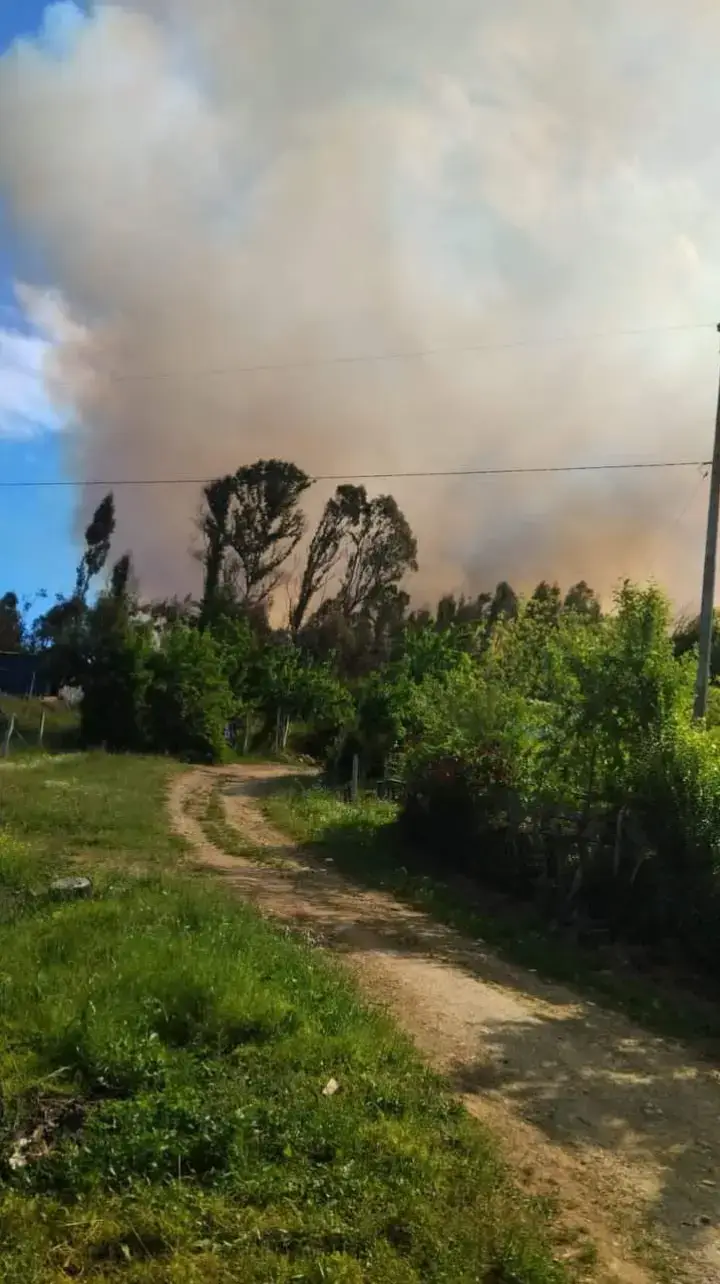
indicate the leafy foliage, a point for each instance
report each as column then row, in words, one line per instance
column 188, row 701
column 12, row 632
column 581, row 599
column 98, row 536
column 251, row 524
column 342, row 515
column 215, row 528
column 266, row 523
column 112, row 666
column 383, row 549
column 562, row 765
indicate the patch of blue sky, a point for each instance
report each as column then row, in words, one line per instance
column 37, row 547
column 55, row 25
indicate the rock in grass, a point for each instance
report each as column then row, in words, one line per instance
column 70, row 889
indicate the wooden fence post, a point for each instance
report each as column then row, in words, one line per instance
column 8, row 737
column 42, row 729
column 355, row 778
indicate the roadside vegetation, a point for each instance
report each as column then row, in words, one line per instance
column 366, row 843
column 189, row 1094
column 540, row 747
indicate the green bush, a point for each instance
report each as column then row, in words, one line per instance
column 563, row 766
column 386, row 699
column 115, row 678
column 189, row 701
column 675, row 883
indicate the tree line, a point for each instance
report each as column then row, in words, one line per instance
column 251, row 524
column 180, row 675
column 545, row 745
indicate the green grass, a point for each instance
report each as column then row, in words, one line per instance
column 365, row 844
column 61, row 729
column 165, row 1051
column 88, row 807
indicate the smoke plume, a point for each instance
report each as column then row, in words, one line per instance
column 219, row 202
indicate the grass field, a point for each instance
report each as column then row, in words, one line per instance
column 163, row 1055
column 365, row 844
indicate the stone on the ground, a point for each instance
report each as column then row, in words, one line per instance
column 70, row 889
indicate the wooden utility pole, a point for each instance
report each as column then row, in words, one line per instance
column 707, row 608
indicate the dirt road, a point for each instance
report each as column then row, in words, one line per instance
column 622, row 1126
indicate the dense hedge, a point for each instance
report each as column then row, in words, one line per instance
column 563, row 767
column 181, row 689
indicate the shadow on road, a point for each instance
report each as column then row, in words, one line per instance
column 587, row 1078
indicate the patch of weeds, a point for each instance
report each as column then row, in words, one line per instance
column 160, row 1134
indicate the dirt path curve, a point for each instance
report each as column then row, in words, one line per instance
column 623, row 1127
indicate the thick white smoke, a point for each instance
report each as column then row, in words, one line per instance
column 216, row 185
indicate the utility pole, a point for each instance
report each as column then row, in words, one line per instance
column 707, row 608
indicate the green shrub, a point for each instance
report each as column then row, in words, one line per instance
column 563, row 766
column 675, row 891
column 188, row 700
column 115, row 677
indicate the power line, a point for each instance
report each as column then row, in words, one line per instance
column 411, row 354
column 388, row 476
column 513, row 472
column 691, row 499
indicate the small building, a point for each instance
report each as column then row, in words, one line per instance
column 23, row 674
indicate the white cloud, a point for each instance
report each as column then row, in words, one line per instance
column 62, row 24
column 25, row 409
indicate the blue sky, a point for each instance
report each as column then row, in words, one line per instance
column 37, row 550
